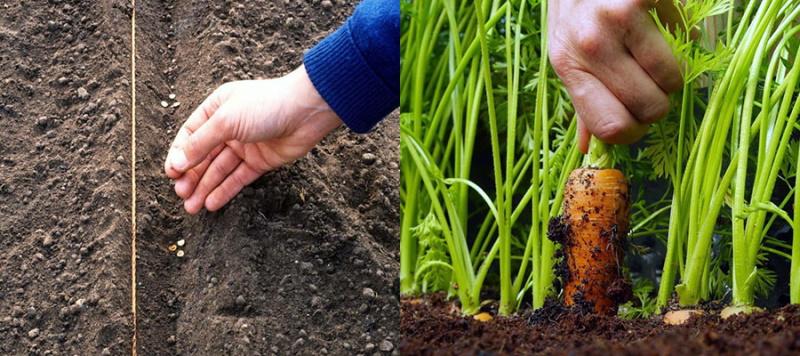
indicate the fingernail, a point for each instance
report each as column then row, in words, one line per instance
column 179, row 160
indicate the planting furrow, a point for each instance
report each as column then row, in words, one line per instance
column 64, row 182
column 159, row 219
column 302, row 261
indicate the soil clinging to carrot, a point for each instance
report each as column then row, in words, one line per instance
column 592, row 232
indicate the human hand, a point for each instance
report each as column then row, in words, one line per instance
column 243, row 130
column 615, row 64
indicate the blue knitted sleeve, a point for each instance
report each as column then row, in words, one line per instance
column 356, row 69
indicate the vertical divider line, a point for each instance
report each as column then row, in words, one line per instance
column 133, row 176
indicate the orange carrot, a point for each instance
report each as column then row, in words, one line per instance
column 594, row 227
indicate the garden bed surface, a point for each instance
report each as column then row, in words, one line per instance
column 433, row 326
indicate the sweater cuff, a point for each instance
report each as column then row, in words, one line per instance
column 344, row 79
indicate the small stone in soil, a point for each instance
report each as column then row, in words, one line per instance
column 164, row 104
column 240, row 301
column 48, row 240
column 176, row 104
column 83, row 93
column 386, row 346
column 172, row 96
column 368, row 158
column 181, row 242
column 326, row 4
column 298, row 343
column 483, row 317
column 369, row 293
column 33, row 333
column 369, row 347
column 680, row 317
column 179, row 253
column 316, row 301
column 172, row 248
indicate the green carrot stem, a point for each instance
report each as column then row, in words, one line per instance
column 599, row 155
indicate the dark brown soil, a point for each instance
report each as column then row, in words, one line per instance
column 64, row 177
column 302, row 262
column 430, row 327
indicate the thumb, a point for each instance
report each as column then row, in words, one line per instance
column 211, row 134
column 583, row 137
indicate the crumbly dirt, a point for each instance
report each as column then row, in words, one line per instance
column 304, row 261
column 64, row 192
column 430, row 327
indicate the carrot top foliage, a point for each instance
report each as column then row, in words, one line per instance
column 488, row 141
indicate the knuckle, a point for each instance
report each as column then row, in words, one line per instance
column 223, row 125
column 560, row 61
column 237, row 180
column 623, row 13
column 654, row 63
column 191, row 146
column 589, row 41
column 611, row 131
column 219, row 170
column 665, row 70
column 673, row 81
column 656, row 110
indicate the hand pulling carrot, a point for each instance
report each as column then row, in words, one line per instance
column 592, row 231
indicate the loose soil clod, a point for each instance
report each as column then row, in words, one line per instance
column 484, row 316
column 680, row 317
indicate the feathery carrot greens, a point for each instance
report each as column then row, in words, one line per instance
column 488, row 143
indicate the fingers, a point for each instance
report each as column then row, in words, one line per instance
column 653, row 54
column 601, row 112
column 583, row 136
column 626, row 79
column 184, row 186
column 233, row 184
column 211, row 134
column 217, row 171
column 177, row 161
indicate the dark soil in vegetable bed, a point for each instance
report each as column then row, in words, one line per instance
column 304, row 261
column 65, row 177
column 432, row 326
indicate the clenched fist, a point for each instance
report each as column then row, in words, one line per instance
column 615, row 64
